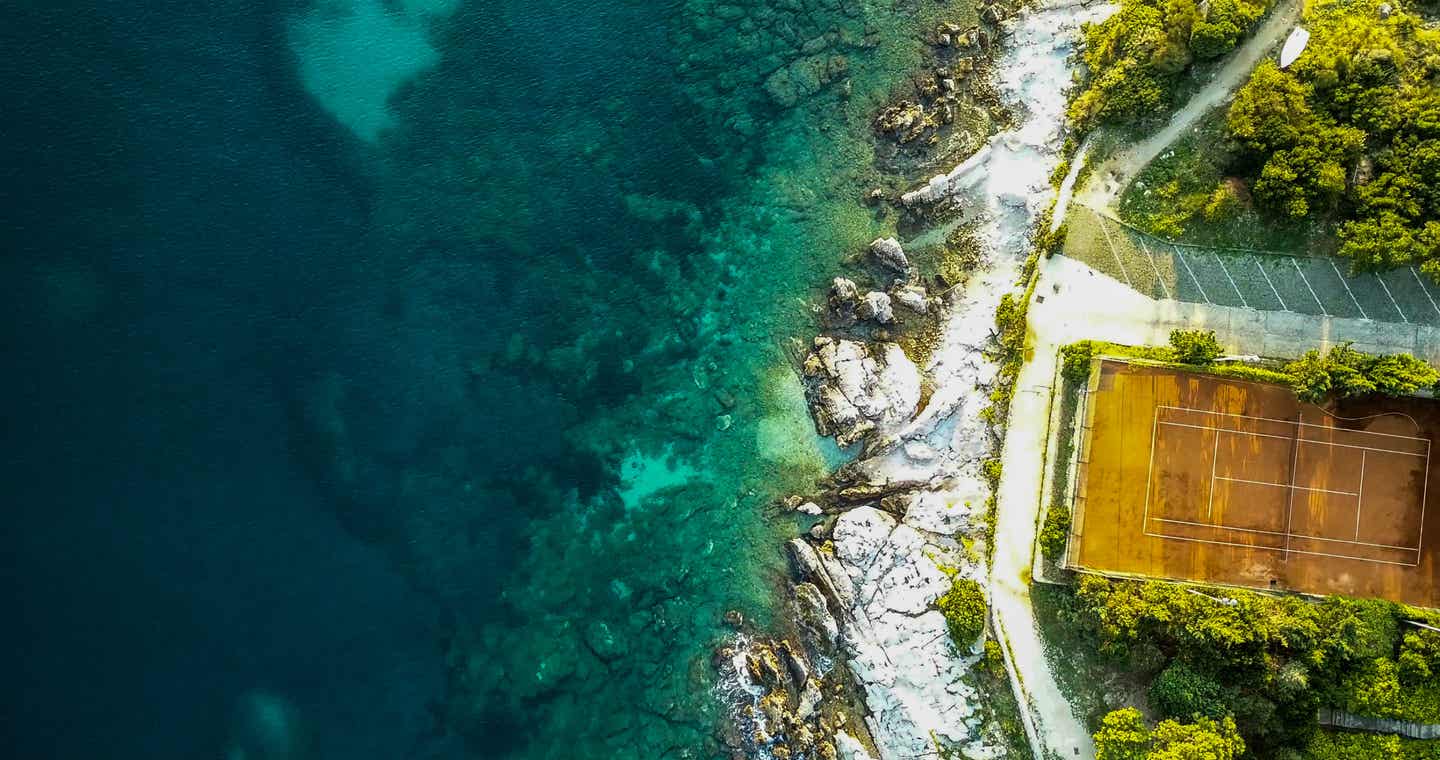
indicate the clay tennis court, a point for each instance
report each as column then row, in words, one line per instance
column 1196, row 477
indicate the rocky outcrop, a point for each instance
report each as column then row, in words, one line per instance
column 879, row 579
column 912, row 297
column 876, row 305
column 889, row 254
column 791, row 700
column 854, row 389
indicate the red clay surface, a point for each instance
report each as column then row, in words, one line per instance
column 1196, row 477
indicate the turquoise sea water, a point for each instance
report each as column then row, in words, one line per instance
column 403, row 377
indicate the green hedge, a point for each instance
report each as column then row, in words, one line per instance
column 964, row 609
column 1339, row 745
column 1055, row 532
column 1341, row 372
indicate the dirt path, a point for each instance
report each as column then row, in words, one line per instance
column 1112, row 176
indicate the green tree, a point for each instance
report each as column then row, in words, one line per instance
column 1204, row 739
column 1195, row 346
column 1270, row 111
column 1180, row 691
column 1122, row 736
column 964, row 609
column 1311, row 373
column 1419, row 657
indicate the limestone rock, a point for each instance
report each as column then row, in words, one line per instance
column 911, row 297
column 822, row 571
column 888, row 252
column 876, row 305
column 853, row 389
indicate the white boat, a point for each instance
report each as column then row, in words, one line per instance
column 1294, row 46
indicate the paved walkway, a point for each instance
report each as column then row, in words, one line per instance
column 1017, row 508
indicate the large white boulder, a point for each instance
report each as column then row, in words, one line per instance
column 854, row 388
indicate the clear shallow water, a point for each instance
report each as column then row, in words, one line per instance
column 401, row 378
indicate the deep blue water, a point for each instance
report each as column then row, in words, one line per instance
column 367, row 360
column 178, row 227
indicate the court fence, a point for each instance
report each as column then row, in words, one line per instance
column 1246, row 278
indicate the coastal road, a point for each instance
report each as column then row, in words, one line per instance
column 1019, row 498
column 1111, row 177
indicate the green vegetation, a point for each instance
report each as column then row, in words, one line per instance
column 1190, row 193
column 1075, row 360
column 1343, row 372
column 1197, row 347
column 1337, row 745
column 964, row 609
column 1350, row 135
column 1137, row 58
column 1123, row 735
column 1055, row 532
column 1268, row 662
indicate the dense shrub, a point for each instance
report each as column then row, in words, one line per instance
column 1269, row 661
column 1055, row 533
column 1076, row 360
column 1181, row 691
column 1195, row 346
column 1351, row 132
column 1344, row 372
column 964, row 609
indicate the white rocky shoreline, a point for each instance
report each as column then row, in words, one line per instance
column 911, row 510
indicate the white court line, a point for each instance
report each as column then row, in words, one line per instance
column 1359, row 495
column 1288, row 551
column 1424, row 290
column 1198, row 286
column 1306, row 280
column 1287, row 485
column 1288, row 422
column 1214, row 462
column 1115, row 253
column 1305, row 536
column 1290, row 497
column 1221, row 262
column 1355, row 300
column 1301, row 440
column 1393, row 302
column 1160, row 278
column 1150, row 474
column 1272, row 285
column 1288, row 534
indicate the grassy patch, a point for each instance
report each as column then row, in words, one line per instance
column 1094, row 683
column 1186, row 194
column 1056, row 530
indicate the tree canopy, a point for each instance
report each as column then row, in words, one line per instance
column 1123, row 735
column 1351, row 132
column 1136, row 57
